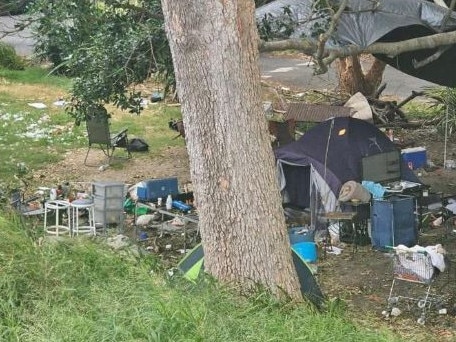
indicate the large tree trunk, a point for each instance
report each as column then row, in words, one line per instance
column 353, row 79
column 214, row 48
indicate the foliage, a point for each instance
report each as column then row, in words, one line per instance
column 322, row 16
column 9, row 59
column 445, row 104
column 272, row 28
column 80, row 290
column 284, row 26
column 13, row 7
column 110, row 46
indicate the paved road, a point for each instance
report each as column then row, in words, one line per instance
column 298, row 73
column 22, row 41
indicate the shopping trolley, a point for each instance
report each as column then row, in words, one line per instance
column 414, row 267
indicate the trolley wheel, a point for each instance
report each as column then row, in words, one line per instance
column 421, row 320
column 422, row 303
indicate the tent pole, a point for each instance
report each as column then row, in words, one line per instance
column 446, row 138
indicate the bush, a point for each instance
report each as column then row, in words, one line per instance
column 9, row 59
column 13, row 7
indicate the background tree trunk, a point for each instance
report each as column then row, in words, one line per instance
column 243, row 230
column 353, row 79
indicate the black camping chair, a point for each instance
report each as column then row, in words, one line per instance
column 99, row 134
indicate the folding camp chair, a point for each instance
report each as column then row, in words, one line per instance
column 99, row 134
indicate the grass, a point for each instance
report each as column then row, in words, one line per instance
column 40, row 136
column 80, row 290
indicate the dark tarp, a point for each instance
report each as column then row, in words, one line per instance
column 367, row 22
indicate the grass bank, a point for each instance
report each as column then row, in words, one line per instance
column 81, row 290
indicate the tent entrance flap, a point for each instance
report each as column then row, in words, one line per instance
column 322, row 198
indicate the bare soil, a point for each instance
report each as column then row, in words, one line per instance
column 361, row 278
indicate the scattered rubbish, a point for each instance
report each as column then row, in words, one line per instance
column 334, row 250
column 143, row 236
column 144, row 103
column 168, row 246
column 437, row 222
column 443, row 311
column 118, row 241
column 60, row 103
column 395, row 312
column 177, row 222
column 37, row 105
column 103, row 167
column 156, row 96
column 144, row 220
column 450, row 164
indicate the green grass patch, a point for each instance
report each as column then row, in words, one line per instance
column 81, row 290
column 38, row 137
column 35, row 75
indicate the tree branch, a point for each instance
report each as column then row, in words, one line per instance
column 390, row 49
column 322, row 67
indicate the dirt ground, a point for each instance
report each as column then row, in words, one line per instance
column 363, row 279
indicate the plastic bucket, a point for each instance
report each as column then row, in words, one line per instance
column 300, row 234
column 306, row 250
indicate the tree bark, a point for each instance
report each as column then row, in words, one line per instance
column 353, row 79
column 243, row 230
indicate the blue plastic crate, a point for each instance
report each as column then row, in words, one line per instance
column 155, row 188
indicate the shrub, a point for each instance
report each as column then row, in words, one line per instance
column 9, row 59
column 13, row 7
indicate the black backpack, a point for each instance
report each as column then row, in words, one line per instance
column 138, row 145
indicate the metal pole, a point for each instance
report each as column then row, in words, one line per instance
column 446, row 137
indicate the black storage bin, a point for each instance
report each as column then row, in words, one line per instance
column 393, row 222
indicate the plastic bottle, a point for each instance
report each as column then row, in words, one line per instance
column 181, row 206
column 169, row 202
column 53, row 194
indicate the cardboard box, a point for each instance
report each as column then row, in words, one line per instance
column 155, row 188
column 414, row 157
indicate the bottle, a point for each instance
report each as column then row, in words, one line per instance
column 53, row 194
column 181, row 206
column 169, row 202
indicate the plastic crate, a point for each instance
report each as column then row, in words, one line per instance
column 108, row 203
column 106, row 217
column 108, row 189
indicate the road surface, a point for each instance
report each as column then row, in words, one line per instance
column 297, row 73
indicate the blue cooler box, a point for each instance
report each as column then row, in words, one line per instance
column 414, row 157
column 155, row 188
